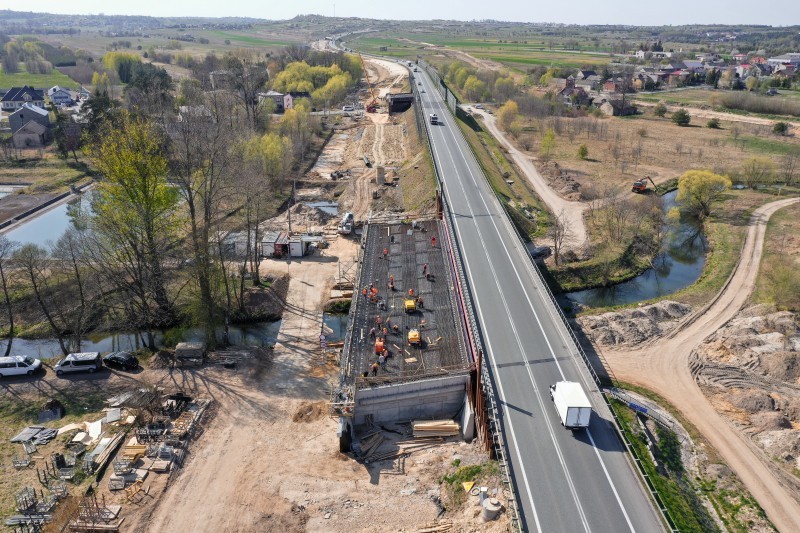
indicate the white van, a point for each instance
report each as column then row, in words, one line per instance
column 79, row 362
column 19, row 365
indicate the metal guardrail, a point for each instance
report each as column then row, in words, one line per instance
column 620, row 433
column 493, row 414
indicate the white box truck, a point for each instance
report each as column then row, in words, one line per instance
column 572, row 404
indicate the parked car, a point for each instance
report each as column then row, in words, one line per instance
column 18, row 365
column 348, row 108
column 121, row 360
column 79, row 362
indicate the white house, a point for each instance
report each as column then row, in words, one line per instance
column 59, row 95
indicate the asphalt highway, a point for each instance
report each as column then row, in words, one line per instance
column 565, row 480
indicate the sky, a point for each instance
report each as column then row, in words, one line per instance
column 633, row 12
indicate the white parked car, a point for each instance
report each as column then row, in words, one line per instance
column 19, row 365
column 348, row 108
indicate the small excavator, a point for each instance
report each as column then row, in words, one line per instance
column 372, row 105
column 640, row 186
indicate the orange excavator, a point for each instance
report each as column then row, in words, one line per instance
column 640, row 186
column 372, row 105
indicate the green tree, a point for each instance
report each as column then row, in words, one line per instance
column 547, row 146
column 135, row 214
column 780, row 128
column 751, row 83
column 699, row 189
column 507, row 113
column 713, row 123
column 681, row 117
column 474, row 89
column 583, row 152
column 660, row 110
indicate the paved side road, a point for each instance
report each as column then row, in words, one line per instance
column 663, row 366
column 565, row 481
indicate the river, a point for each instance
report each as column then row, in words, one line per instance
column 256, row 334
column 677, row 267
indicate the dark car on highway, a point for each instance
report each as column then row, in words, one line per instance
column 121, row 360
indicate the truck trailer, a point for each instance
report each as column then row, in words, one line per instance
column 572, row 404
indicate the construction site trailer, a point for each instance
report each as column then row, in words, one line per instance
column 296, row 248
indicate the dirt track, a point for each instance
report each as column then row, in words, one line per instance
column 572, row 210
column 669, row 375
column 697, row 112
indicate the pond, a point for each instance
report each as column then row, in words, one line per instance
column 51, row 224
column 677, row 267
column 256, row 334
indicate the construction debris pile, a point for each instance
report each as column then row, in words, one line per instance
column 381, row 444
column 157, row 444
column 150, row 428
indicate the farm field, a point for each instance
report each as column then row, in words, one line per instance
column 39, row 81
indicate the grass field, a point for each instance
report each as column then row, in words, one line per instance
column 249, row 40
column 778, row 280
column 39, row 81
column 697, row 97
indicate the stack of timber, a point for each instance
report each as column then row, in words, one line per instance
column 435, row 428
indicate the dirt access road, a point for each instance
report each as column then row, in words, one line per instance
column 668, row 375
column 696, row 112
column 573, row 211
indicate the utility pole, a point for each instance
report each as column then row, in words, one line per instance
column 289, row 209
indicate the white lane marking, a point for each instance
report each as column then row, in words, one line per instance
column 547, row 340
column 521, row 350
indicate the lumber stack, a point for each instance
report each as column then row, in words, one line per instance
column 435, row 428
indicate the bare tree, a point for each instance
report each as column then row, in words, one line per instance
column 202, row 161
column 249, row 74
column 33, row 261
column 6, row 251
column 561, row 233
column 789, row 165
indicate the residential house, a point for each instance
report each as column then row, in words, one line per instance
column 584, row 74
column 291, row 96
column 791, row 58
column 646, row 81
column 758, row 60
column 31, row 135
column 740, row 58
column 28, row 113
column 16, row 97
column 678, row 77
column 278, row 98
column 616, row 107
column 614, row 85
column 694, row 66
column 559, row 84
column 589, row 83
column 786, row 70
column 60, row 96
column 708, row 57
column 746, row 70
column 642, row 54
column 573, row 96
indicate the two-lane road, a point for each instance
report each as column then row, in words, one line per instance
column 565, row 481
